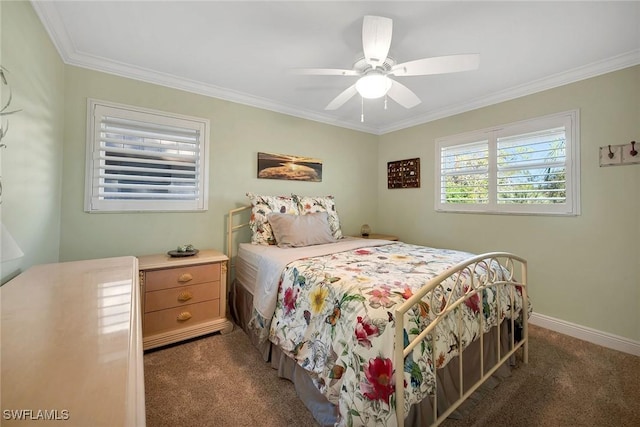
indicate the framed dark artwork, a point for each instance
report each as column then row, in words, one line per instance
column 284, row 166
column 403, row 173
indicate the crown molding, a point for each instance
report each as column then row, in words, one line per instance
column 180, row 83
column 54, row 26
column 619, row 62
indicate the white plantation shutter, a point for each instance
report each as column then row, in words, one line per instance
column 465, row 173
column 529, row 167
column 143, row 160
column 532, row 168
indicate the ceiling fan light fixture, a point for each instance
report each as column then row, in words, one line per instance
column 373, row 86
column 376, row 65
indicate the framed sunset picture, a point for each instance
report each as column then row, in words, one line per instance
column 284, row 166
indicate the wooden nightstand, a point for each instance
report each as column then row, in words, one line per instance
column 380, row 236
column 182, row 297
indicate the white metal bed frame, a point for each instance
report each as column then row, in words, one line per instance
column 231, row 229
column 464, row 275
column 487, row 264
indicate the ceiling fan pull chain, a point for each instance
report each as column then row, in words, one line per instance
column 385, row 102
column 361, row 110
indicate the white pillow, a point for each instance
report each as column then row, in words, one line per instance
column 300, row 230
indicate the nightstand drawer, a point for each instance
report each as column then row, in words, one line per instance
column 155, row 280
column 179, row 317
column 181, row 296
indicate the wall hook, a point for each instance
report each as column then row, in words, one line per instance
column 610, row 153
column 633, row 151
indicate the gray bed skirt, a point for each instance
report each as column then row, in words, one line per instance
column 326, row 414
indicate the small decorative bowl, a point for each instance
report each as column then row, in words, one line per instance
column 183, row 250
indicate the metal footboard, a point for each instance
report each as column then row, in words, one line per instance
column 468, row 278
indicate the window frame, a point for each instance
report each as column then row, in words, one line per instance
column 568, row 119
column 93, row 203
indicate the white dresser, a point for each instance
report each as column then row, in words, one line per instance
column 71, row 345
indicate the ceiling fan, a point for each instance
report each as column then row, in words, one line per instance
column 376, row 67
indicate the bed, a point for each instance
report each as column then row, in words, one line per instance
column 351, row 321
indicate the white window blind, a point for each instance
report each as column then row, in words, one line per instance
column 525, row 167
column 143, row 160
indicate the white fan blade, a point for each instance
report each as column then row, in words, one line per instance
column 403, row 95
column 376, row 39
column 437, row 65
column 323, row 72
column 339, row 100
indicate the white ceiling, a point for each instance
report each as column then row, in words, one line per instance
column 241, row 51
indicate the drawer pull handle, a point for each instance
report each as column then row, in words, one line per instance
column 185, row 277
column 185, row 315
column 184, row 296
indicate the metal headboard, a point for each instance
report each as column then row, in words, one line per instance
column 232, row 228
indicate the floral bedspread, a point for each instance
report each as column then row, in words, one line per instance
column 335, row 316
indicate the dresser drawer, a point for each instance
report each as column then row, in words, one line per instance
column 191, row 314
column 155, row 280
column 184, row 295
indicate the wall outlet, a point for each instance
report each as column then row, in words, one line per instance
column 606, row 160
column 627, row 157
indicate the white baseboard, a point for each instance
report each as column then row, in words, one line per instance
column 587, row 334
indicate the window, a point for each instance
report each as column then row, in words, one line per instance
column 144, row 160
column 529, row 167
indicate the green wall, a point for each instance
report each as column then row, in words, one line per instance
column 32, row 159
column 583, row 269
column 238, row 133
